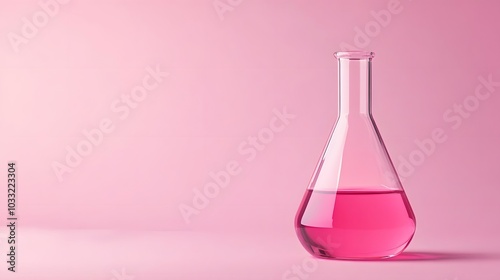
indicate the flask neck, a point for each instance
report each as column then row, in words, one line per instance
column 355, row 87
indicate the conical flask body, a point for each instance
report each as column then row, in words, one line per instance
column 355, row 206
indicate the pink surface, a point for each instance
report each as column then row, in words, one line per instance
column 198, row 173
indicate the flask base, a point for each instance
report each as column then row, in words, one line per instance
column 355, row 225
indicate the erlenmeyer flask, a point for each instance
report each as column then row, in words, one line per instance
column 355, row 206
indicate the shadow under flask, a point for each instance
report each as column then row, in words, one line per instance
column 355, row 206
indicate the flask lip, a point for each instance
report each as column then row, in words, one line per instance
column 354, row 55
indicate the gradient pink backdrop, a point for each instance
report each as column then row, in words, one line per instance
column 226, row 78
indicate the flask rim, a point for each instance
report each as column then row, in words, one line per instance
column 354, row 55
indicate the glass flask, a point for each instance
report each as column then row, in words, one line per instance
column 355, row 206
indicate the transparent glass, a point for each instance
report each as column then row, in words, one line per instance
column 355, row 206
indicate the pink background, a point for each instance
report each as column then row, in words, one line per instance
column 119, row 208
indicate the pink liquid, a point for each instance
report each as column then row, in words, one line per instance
column 355, row 224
